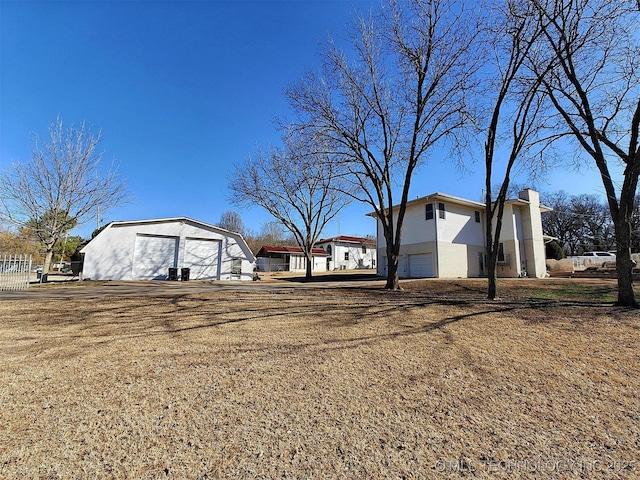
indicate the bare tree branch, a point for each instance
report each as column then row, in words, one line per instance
column 296, row 184
column 383, row 111
column 595, row 89
column 63, row 185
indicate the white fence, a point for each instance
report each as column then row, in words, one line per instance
column 14, row 272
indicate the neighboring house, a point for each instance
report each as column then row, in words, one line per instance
column 444, row 237
column 146, row 249
column 272, row 258
column 349, row 253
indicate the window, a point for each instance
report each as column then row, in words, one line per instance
column 236, row 268
column 364, row 249
column 501, row 253
column 477, row 216
column 329, row 249
column 346, row 256
column 441, row 210
column 428, row 211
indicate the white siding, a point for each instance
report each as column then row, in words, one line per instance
column 416, row 228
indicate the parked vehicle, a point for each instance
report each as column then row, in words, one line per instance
column 593, row 259
column 607, row 256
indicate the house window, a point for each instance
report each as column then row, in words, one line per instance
column 364, row 249
column 501, row 253
column 236, row 268
column 477, row 216
column 429, row 211
column 441, row 210
column 346, row 256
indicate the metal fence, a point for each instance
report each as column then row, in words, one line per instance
column 14, row 272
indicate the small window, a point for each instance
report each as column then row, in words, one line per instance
column 441, row 210
column 346, row 255
column 236, row 266
column 364, row 249
column 429, row 211
column 477, row 216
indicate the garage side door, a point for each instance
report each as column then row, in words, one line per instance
column 153, row 256
column 202, row 257
column 421, row 265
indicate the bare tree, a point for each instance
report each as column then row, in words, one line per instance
column 595, row 89
column 403, row 93
column 63, row 185
column 594, row 224
column 562, row 223
column 270, row 233
column 296, row 185
column 512, row 31
column 232, row 221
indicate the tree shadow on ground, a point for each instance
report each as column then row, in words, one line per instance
column 323, row 311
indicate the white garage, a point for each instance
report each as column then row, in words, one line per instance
column 147, row 249
column 421, row 265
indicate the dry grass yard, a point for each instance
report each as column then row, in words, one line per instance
column 431, row 382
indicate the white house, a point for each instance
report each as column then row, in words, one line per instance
column 147, row 249
column 349, row 253
column 273, row 258
column 443, row 236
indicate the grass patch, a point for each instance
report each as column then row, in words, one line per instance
column 593, row 293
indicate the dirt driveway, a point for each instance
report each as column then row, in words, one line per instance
column 64, row 286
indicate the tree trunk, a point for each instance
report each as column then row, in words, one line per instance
column 47, row 261
column 309, row 270
column 492, row 254
column 492, row 278
column 393, row 281
column 624, row 264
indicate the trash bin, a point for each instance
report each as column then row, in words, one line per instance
column 173, row 274
column 184, row 274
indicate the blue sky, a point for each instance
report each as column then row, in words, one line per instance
column 182, row 91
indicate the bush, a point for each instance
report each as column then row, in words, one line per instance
column 554, row 251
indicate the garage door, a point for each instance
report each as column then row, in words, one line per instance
column 153, row 256
column 421, row 265
column 202, row 257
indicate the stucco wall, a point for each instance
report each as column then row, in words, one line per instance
column 416, row 228
column 456, row 260
column 459, row 225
